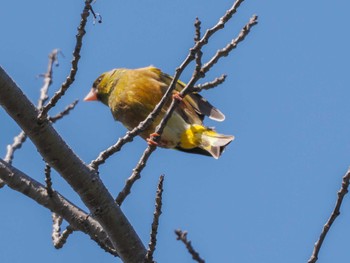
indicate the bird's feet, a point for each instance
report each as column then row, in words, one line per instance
column 177, row 96
column 150, row 140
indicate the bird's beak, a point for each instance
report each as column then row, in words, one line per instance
column 91, row 96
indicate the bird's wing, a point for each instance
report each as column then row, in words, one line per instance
column 200, row 105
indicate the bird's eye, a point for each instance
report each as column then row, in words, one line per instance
column 97, row 82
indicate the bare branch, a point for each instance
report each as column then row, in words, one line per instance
column 225, row 51
column 59, row 239
column 80, row 220
column 76, row 57
column 155, row 223
column 103, row 156
column 53, row 59
column 209, row 85
column 182, row 235
column 65, row 112
column 197, row 34
column 135, row 174
column 197, row 37
column 335, row 213
column 48, row 180
column 17, row 144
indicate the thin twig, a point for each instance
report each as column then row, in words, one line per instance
column 76, row 57
column 48, row 180
column 17, row 144
column 226, row 50
column 103, row 156
column 198, row 73
column 135, row 175
column 53, row 59
column 65, row 112
column 197, row 38
column 335, row 213
column 211, row 84
column 97, row 16
column 158, row 211
column 58, row 238
column 182, row 235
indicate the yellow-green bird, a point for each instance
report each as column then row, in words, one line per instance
column 132, row 94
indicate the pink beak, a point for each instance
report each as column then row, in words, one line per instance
column 91, row 96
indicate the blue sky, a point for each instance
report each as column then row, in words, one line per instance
column 286, row 99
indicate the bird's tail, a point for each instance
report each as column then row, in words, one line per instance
column 203, row 140
column 215, row 143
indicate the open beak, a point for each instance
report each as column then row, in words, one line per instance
column 91, row 96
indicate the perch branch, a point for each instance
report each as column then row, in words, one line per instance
column 187, row 89
column 150, row 118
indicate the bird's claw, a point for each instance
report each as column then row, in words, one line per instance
column 150, row 140
column 177, row 96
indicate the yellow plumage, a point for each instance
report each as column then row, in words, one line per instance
column 132, row 94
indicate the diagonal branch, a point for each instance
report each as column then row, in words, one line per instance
column 335, row 213
column 63, row 113
column 80, row 220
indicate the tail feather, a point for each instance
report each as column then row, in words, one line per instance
column 215, row 143
column 201, row 140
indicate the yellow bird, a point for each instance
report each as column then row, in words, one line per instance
column 132, row 94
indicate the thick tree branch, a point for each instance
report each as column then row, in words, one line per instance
column 80, row 220
column 82, row 178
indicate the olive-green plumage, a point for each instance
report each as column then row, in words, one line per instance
column 132, row 94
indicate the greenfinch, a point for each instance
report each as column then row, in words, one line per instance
column 131, row 94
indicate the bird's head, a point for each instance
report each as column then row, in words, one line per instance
column 103, row 86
